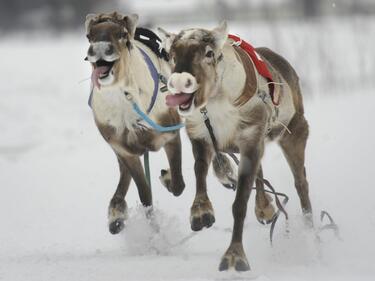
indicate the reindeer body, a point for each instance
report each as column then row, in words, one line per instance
column 208, row 59
column 120, row 72
column 114, row 113
column 230, row 122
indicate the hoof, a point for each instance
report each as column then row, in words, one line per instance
column 197, row 223
column 308, row 220
column 117, row 214
column 234, row 258
column 166, row 179
column 225, row 171
column 202, row 215
column 116, row 226
column 265, row 212
column 264, row 222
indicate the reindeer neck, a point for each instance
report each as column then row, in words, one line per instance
column 231, row 73
column 137, row 75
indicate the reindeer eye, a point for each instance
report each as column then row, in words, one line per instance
column 210, row 54
column 123, row 34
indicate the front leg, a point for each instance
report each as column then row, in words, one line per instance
column 117, row 210
column 130, row 167
column 251, row 153
column 202, row 213
column 172, row 178
column 134, row 165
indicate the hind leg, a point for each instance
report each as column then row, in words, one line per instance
column 117, row 210
column 264, row 209
column 293, row 146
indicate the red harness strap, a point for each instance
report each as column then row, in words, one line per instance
column 260, row 65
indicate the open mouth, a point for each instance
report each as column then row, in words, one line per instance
column 101, row 70
column 182, row 100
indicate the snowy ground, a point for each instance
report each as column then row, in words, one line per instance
column 57, row 176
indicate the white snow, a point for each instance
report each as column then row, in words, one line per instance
column 58, row 175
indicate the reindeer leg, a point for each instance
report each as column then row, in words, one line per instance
column 130, row 166
column 251, row 153
column 133, row 163
column 117, row 210
column 293, row 146
column 264, row 209
column 202, row 213
column 172, row 178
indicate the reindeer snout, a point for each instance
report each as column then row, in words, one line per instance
column 102, row 50
column 182, row 83
column 91, row 52
column 110, row 50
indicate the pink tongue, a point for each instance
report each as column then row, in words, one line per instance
column 175, row 100
column 96, row 72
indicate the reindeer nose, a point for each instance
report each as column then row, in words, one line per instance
column 109, row 51
column 91, row 52
column 182, row 83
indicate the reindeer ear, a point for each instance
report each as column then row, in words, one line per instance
column 220, row 34
column 131, row 23
column 166, row 39
column 89, row 19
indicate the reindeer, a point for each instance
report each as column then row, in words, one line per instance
column 121, row 78
column 214, row 80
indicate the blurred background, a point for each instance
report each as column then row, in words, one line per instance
column 57, row 174
column 327, row 40
column 68, row 14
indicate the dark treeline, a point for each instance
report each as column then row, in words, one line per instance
column 53, row 14
column 69, row 14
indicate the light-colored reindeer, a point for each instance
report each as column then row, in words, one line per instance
column 119, row 72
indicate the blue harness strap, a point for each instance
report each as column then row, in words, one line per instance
column 155, row 77
column 155, row 126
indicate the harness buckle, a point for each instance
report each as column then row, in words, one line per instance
column 262, row 95
column 128, row 96
column 237, row 43
column 163, row 79
column 164, row 89
column 204, row 112
column 165, row 82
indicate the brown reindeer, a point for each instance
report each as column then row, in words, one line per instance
column 214, row 79
column 120, row 72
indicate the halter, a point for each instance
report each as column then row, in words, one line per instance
column 156, row 77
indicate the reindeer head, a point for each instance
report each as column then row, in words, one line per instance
column 110, row 37
column 194, row 55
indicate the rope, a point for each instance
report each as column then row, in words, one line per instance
column 280, row 206
column 331, row 225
